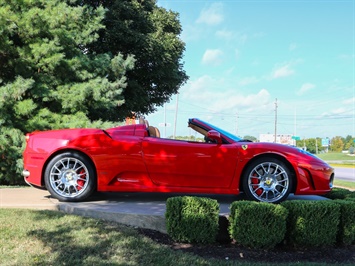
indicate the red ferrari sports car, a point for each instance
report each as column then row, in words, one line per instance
column 73, row 163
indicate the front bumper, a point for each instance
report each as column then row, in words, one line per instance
column 314, row 179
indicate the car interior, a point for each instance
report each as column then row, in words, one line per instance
column 152, row 131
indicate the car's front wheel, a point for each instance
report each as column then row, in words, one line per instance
column 70, row 177
column 267, row 180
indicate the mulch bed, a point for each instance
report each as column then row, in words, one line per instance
column 235, row 252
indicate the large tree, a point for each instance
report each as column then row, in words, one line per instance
column 67, row 63
column 337, row 144
column 151, row 34
column 48, row 79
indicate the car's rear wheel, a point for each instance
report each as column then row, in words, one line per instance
column 267, row 180
column 70, row 176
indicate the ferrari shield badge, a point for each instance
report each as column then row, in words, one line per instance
column 244, row 147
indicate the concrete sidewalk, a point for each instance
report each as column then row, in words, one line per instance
column 137, row 212
column 144, row 210
column 27, row 198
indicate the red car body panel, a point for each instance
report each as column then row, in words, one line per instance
column 127, row 159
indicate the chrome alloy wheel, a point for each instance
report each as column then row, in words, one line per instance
column 268, row 182
column 69, row 177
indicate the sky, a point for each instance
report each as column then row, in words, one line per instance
column 260, row 63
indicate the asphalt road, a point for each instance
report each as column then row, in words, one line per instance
column 346, row 174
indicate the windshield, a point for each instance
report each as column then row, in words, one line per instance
column 223, row 132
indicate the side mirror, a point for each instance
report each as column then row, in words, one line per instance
column 214, row 136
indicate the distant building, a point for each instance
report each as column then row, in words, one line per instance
column 280, row 138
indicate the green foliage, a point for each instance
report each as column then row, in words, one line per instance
column 338, row 193
column 257, row 224
column 48, row 80
column 332, row 156
column 83, row 64
column 33, row 237
column 312, row 223
column 151, row 34
column 192, row 219
column 337, row 144
column 251, row 138
column 349, row 144
column 11, row 147
column 312, row 145
column 346, row 234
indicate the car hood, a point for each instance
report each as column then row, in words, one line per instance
column 291, row 152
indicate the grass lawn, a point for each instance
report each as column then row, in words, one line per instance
column 33, row 237
column 340, row 157
column 30, row 237
column 345, row 184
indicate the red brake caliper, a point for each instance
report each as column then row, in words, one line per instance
column 255, row 181
column 81, row 182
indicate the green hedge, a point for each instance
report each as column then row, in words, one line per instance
column 192, row 219
column 301, row 223
column 340, row 193
column 257, row 224
column 346, row 234
column 312, row 223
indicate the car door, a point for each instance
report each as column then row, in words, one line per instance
column 189, row 164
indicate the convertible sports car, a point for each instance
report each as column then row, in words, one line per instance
column 73, row 163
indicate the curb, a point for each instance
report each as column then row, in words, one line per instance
column 154, row 222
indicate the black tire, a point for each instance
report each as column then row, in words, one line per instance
column 267, row 180
column 70, row 176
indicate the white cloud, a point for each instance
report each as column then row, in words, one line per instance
column 283, row 71
column 292, row 47
column 336, row 112
column 191, row 33
column 212, row 57
column 304, row 88
column 211, row 15
column 242, row 38
column 212, row 94
column 248, row 80
column 349, row 101
column 231, row 100
column 199, row 85
column 339, row 111
column 224, row 34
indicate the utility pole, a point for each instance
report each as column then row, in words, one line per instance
column 275, row 119
column 176, row 112
column 164, row 120
column 236, row 123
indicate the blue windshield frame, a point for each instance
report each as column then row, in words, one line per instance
column 223, row 132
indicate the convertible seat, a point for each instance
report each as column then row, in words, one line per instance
column 154, row 132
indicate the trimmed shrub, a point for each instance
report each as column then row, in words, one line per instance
column 350, row 199
column 312, row 223
column 338, row 193
column 350, row 195
column 257, row 224
column 346, row 234
column 192, row 219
